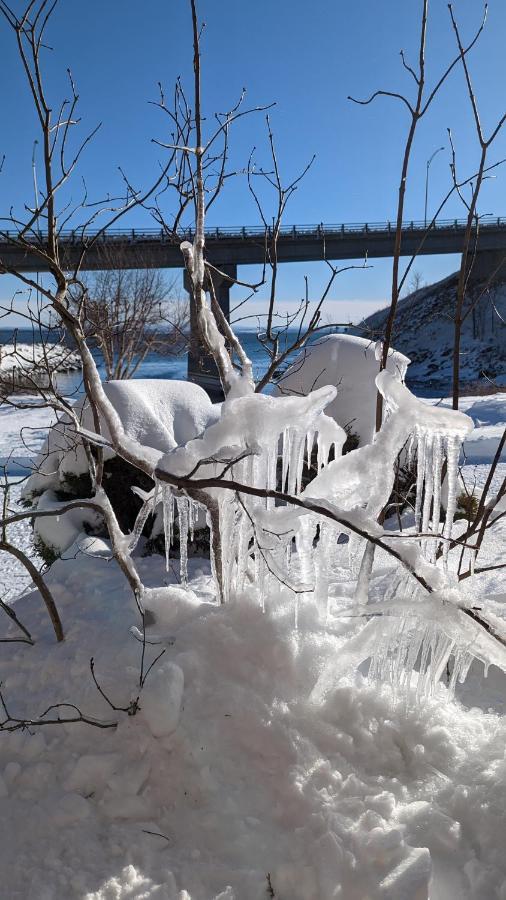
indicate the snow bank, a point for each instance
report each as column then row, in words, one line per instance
column 349, row 363
column 356, row 794
column 29, row 366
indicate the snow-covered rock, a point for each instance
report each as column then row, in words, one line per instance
column 161, row 414
column 349, row 363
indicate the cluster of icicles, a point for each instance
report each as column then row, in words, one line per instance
column 304, row 557
column 434, row 450
column 246, row 558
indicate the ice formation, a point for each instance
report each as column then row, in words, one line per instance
column 264, row 442
column 269, row 443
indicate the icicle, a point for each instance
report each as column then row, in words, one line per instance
column 411, row 450
column 300, row 464
column 272, row 459
column 421, row 444
column 437, row 459
column 322, row 451
column 304, row 544
column 309, row 447
column 243, row 548
column 140, row 522
column 193, row 514
column 322, row 566
column 182, row 511
column 168, row 518
column 285, row 457
column 296, row 454
column 452, row 458
column 228, row 542
column 429, row 488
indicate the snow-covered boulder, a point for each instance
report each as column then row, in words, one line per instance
column 158, row 413
column 161, row 414
column 349, row 363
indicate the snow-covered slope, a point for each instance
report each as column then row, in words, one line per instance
column 424, row 331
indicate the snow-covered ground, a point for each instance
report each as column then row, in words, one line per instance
column 236, row 768
column 22, row 356
column 260, row 764
column 22, row 433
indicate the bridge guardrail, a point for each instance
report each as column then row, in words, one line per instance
column 244, row 232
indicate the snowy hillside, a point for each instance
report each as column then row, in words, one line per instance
column 424, row 331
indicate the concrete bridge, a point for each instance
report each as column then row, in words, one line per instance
column 227, row 248
column 150, row 248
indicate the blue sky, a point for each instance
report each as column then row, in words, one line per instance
column 307, row 58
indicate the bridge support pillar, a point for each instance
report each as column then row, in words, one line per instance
column 489, row 264
column 201, row 366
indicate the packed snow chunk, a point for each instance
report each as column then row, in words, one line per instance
column 161, row 413
column 58, row 532
column 349, row 363
column 91, row 772
column 131, row 883
column 410, row 879
column 161, row 699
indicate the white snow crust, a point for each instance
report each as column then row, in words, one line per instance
column 354, row 793
column 349, row 363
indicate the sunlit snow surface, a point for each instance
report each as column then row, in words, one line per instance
column 235, row 767
column 22, row 433
column 258, row 750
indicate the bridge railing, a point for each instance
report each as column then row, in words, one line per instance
column 245, row 232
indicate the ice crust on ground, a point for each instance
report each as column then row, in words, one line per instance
column 349, row 363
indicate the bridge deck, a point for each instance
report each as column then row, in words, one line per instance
column 150, row 248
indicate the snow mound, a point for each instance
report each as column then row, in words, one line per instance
column 245, row 774
column 349, row 363
column 161, row 414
